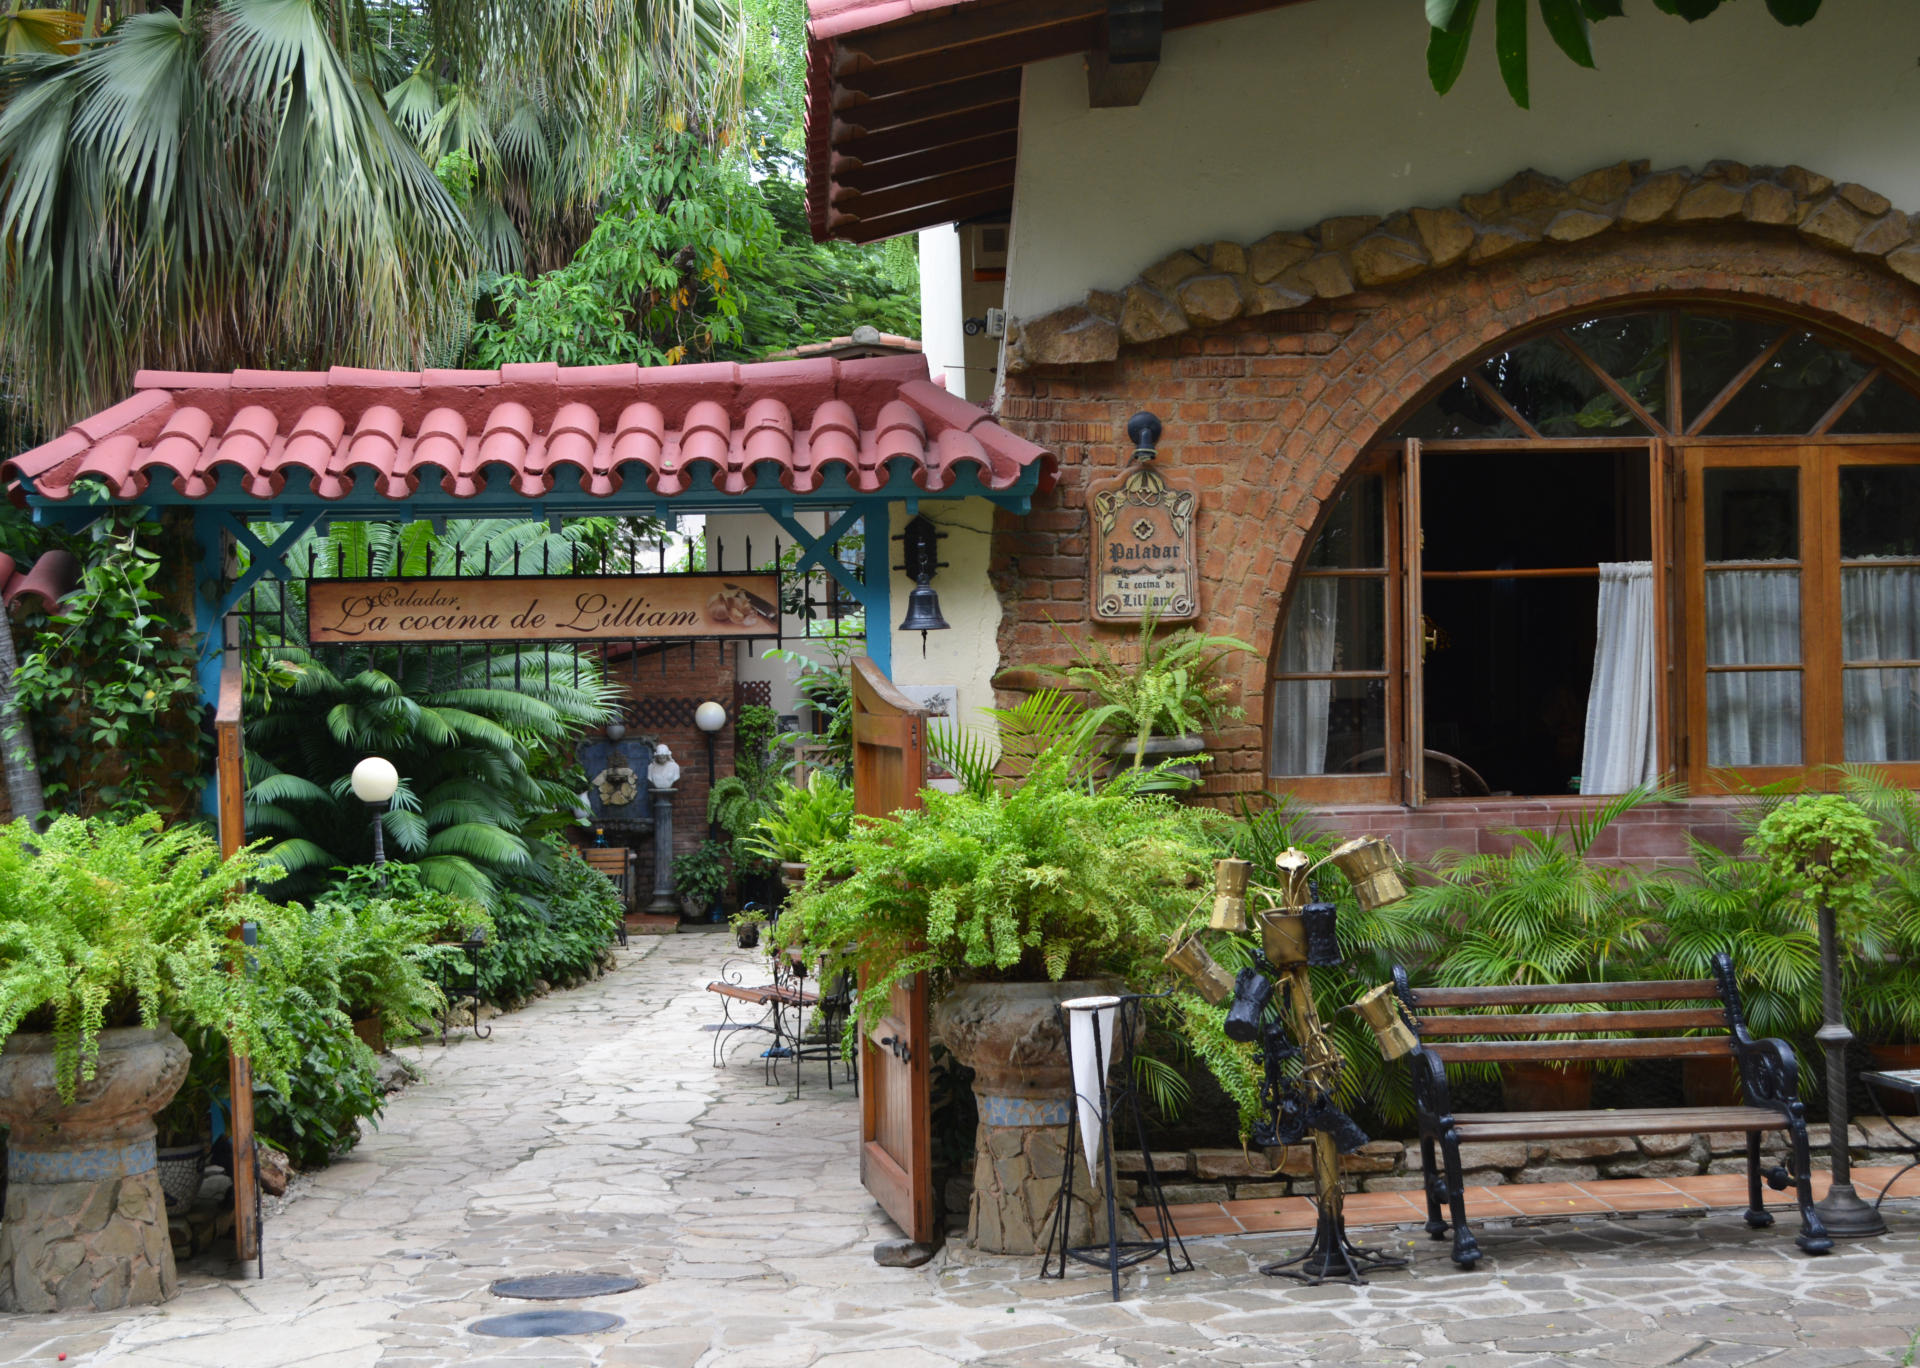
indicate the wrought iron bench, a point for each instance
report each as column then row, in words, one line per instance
column 1454, row 1025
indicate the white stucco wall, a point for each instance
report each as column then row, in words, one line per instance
column 1279, row 120
column 968, row 654
column 942, row 338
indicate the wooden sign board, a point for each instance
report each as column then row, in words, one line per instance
column 543, row 608
column 1143, row 560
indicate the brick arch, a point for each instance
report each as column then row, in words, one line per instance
column 1268, row 415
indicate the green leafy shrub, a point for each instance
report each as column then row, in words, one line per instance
column 739, row 800
column 1165, row 686
column 314, row 1113
column 107, row 924
column 1828, row 849
column 378, row 927
column 553, row 931
column 804, row 818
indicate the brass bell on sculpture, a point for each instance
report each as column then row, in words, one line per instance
column 1191, row 960
column 1294, row 866
column 1229, row 895
column 1381, row 1009
column 1372, row 870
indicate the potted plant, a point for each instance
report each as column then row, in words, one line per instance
column 107, row 932
column 1545, row 911
column 1010, row 897
column 738, row 801
column 185, row 1126
column 804, row 818
column 1883, row 972
column 1156, row 700
column 1722, row 904
column 701, row 877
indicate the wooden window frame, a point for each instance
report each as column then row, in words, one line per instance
column 1678, row 455
column 1822, row 665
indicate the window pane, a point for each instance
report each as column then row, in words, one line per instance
column 1551, row 389
column 1753, row 718
column 1887, row 406
column 1714, row 349
column 1329, row 726
column 1632, row 348
column 1459, row 410
column 1879, row 511
column 1883, row 715
column 1880, row 613
column 1354, row 536
column 1753, row 514
column 1792, row 392
column 1753, row 617
column 1335, row 623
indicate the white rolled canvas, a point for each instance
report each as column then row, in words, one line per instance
column 1090, row 1020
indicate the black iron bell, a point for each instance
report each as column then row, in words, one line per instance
column 923, row 611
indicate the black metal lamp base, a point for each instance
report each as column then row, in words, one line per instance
column 1846, row 1216
column 1332, row 1257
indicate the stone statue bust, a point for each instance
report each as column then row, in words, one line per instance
column 664, row 772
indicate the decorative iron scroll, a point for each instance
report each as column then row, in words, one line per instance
column 679, row 607
column 1143, row 561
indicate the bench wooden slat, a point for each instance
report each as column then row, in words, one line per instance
column 765, row 994
column 1534, row 994
column 1517, row 1051
column 1593, row 1125
column 1552, row 1023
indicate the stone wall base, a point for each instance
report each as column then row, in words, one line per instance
column 1016, row 1181
column 1219, row 1175
column 96, row 1245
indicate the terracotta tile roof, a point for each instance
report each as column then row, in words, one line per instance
column 51, row 579
column 591, row 428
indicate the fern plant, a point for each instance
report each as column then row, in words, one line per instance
column 1164, row 686
column 804, row 819
column 106, row 924
column 1049, row 880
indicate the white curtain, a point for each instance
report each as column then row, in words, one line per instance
column 1620, row 748
column 1301, row 706
column 1753, row 618
column 1880, row 620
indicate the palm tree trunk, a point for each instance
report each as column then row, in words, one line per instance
column 16, row 742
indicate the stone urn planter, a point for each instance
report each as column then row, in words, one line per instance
column 86, row 1222
column 1009, row 1035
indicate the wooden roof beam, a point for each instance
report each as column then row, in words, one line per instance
column 898, row 198
column 913, row 106
column 868, row 148
column 1125, row 54
column 855, row 174
column 926, row 216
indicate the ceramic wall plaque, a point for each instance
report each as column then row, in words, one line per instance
column 1143, row 560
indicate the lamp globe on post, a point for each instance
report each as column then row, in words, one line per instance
column 375, row 781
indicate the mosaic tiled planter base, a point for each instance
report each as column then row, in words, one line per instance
column 85, row 1223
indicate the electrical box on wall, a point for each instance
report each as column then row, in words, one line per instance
column 996, row 322
column 989, row 244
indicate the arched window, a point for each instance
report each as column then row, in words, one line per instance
column 1664, row 542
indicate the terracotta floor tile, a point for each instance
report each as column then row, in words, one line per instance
column 1279, row 1220
column 1483, row 1204
column 1191, row 1227
column 1626, row 1187
column 1510, row 1191
column 1669, row 1200
column 1265, row 1206
column 1554, row 1206
column 1180, row 1209
column 1387, row 1202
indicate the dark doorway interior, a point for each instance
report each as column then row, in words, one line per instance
column 1509, row 659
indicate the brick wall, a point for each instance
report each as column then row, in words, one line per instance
column 1265, row 416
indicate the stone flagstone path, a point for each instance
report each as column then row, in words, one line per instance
column 592, row 1133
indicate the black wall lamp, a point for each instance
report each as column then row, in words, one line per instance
column 920, row 553
column 1143, row 430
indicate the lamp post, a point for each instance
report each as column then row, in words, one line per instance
column 1846, row 1215
column 710, row 717
column 375, row 781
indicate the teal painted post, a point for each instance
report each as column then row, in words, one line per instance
column 878, row 585
column 209, row 579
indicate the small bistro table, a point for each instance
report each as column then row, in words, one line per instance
column 1895, row 1082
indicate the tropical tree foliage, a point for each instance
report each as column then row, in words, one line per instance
column 483, row 740
column 1566, row 22
column 251, row 182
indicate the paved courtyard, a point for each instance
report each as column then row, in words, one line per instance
column 592, row 1133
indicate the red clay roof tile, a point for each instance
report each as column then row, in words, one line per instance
column 289, row 434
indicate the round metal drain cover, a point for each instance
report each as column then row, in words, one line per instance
column 543, row 1324
column 563, row 1286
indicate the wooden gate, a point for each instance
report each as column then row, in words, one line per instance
column 896, row 1162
